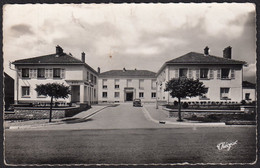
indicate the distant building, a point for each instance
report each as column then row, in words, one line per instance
column 126, row 85
column 249, row 91
column 8, row 91
column 57, row 67
column 222, row 76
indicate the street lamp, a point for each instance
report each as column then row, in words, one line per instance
column 156, row 102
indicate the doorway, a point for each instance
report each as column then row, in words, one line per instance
column 129, row 96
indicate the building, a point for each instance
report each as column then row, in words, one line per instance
column 58, row 67
column 126, row 85
column 8, row 91
column 222, row 76
column 249, row 93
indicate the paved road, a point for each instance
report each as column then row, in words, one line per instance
column 130, row 146
column 123, row 134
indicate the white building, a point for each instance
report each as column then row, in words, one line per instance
column 126, row 85
column 222, row 76
column 249, row 93
column 60, row 68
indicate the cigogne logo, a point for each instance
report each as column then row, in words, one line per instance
column 226, row 145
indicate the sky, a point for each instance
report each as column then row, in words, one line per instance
column 141, row 36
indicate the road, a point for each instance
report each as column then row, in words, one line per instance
column 122, row 135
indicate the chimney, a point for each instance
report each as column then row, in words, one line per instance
column 98, row 70
column 59, row 50
column 206, row 51
column 227, row 52
column 124, row 69
column 83, row 56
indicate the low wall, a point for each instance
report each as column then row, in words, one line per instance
column 42, row 113
column 199, row 114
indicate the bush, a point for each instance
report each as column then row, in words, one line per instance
column 185, row 105
column 175, row 103
column 243, row 102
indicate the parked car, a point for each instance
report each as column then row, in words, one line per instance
column 137, row 103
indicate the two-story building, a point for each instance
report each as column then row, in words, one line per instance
column 222, row 76
column 58, row 67
column 126, row 85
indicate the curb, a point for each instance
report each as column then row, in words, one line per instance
column 149, row 117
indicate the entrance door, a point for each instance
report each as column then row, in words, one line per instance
column 75, row 93
column 129, row 96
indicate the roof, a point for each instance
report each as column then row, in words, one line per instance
column 129, row 73
column 52, row 59
column 198, row 58
column 246, row 84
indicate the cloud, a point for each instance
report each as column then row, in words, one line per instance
column 21, row 29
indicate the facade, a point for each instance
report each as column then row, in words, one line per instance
column 8, row 90
column 126, row 85
column 222, row 76
column 249, row 93
column 60, row 68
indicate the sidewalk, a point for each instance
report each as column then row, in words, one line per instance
column 23, row 124
column 162, row 116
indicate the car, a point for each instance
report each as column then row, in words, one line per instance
column 137, row 103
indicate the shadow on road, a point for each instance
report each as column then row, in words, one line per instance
column 76, row 120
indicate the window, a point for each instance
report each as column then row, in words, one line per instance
column 224, row 93
column 117, row 94
column 91, row 78
column 104, row 94
column 141, row 84
column 225, row 73
column 104, row 81
column 247, row 96
column 141, row 94
column 56, row 73
column 183, row 72
column 153, row 84
column 204, row 73
column 116, row 83
column 40, row 72
column 25, row 72
column 95, row 80
column 25, row 91
column 87, row 76
column 205, row 96
column 153, row 95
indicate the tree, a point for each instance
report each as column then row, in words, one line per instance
column 184, row 87
column 54, row 90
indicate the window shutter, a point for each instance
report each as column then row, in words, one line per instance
column 30, row 73
column 50, row 73
column 218, row 75
column 46, row 73
column 34, row 73
column 19, row 73
column 190, row 73
column 197, row 73
column 211, row 74
column 176, row 73
column 62, row 75
column 232, row 74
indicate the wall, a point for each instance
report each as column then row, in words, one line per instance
column 123, row 84
column 214, row 85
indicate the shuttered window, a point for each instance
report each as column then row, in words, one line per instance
column 218, row 74
column 197, row 73
column 62, row 75
column 211, row 74
column 232, row 74
column 190, row 73
column 176, row 73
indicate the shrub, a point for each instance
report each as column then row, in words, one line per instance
column 175, row 103
column 243, row 102
column 185, row 105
